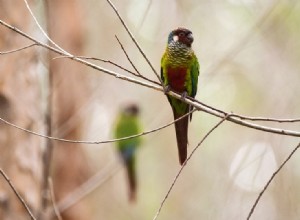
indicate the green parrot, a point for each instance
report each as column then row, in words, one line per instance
column 128, row 124
column 179, row 73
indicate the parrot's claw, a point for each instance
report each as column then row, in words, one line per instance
column 184, row 95
column 167, row 89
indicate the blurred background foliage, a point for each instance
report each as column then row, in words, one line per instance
column 249, row 57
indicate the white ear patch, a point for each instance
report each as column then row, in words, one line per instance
column 175, row 38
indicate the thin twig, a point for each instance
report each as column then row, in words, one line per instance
column 89, row 186
column 285, row 120
column 144, row 16
column 112, row 63
column 52, row 196
column 248, row 118
column 93, row 183
column 133, row 39
column 99, row 59
column 236, row 48
column 197, row 104
column 95, row 142
column 17, row 194
column 72, row 57
column 218, row 114
column 42, row 30
column 184, row 164
column 134, row 67
column 142, row 83
column 127, row 56
column 270, row 180
column 17, row 50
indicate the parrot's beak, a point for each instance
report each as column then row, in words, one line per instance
column 190, row 38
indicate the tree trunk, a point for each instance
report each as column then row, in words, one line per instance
column 21, row 104
column 69, row 92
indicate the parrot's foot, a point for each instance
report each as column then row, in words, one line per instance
column 184, row 95
column 167, row 89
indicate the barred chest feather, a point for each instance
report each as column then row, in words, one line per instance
column 179, row 57
column 179, row 54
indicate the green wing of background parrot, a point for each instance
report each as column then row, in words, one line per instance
column 179, row 72
column 128, row 124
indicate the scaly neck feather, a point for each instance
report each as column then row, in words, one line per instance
column 178, row 53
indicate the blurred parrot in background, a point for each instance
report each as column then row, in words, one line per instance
column 127, row 124
column 179, row 73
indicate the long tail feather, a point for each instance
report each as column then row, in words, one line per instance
column 131, row 175
column 181, row 128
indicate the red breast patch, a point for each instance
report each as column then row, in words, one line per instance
column 176, row 78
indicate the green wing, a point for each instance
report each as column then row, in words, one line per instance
column 163, row 74
column 194, row 75
column 127, row 126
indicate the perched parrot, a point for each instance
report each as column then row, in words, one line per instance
column 179, row 73
column 128, row 124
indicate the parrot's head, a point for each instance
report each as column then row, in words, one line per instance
column 181, row 35
column 131, row 110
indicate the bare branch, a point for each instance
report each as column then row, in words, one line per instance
column 95, row 142
column 248, row 118
column 270, row 180
column 17, row 50
column 95, row 181
column 133, row 39
column 42, row 30
column 235, row 118
column 99, row 59
column 286, row 120
column 197, row 104
column 145, row 16
column 184, row 164
column 56, row 211
column 17, row 194
column 236, row 48
column 127, row 56
column 89, row 186
column 134, row 67
column 72, row 57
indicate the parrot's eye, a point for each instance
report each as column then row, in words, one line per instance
column 181, row 34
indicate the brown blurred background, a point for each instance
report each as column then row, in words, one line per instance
column 249, row 56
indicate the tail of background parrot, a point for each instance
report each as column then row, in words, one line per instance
column 131, row 176
column 181, row 128
column 128, row 124
column 128, row 158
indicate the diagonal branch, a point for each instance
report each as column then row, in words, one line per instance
column 42, row 30
column 88, row 186
column 284, row 120
column 102, row 60
column 270, row 180
column 72, row 57
column 132, row 64
column 127, row 56
column 17, row 194
column 235, row 118
column 145, row 16
column 184, row 164
column 197, row 104
column 134, row 40
column 55, row 209
column 17, row 50
column 236, row 48
column 95, row 142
